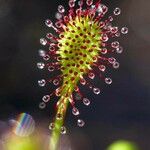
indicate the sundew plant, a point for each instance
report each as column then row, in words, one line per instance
column 81, row 47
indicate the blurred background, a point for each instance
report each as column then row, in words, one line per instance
column 121, row 112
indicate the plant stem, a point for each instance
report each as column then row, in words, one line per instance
column 56, row 133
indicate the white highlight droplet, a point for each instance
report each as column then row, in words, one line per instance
column 102, row 68
column 104, row 50
column 71, row 3
column 58, row 16
column 89, row 2
column 51, row 68
column 102, row 9
column 41, row 82
column 86, row 101
column 91, row 75
column 61, row 9
column 42, row 105
column 82, row 81
column 119, row 50
column 43, row 41
column 56, row 82
column 48, row 23
column 80, row 123
column 115, row 44
column 40, row 65
column 108, row 80
column 51, row 126
column 116, row 65
column 46, row 98
column 96, row 91
column 75, row 111
column 124, row 30
column 80, row 3
column 105, row 38
column 114, row 30
column 117, row 11
column 46, row 57
column 111, row 60
column 41, row 52
column 63, row 130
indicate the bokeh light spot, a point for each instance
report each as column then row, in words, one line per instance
column 23, row 143
column 24, row 125
column 123, row 145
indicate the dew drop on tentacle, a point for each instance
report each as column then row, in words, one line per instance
column 115, row 44
column 86, row 101
column 90, row 86
column 78, row 12
column 63, row 130
column 102, row 68
column 114, row 30
column 75, row 111
column 49, row 36
column 117, row 34
column 102, row 9
column 91, row 75
column 42, row 105
column 80, row 2
column 56, row 82
column 59, row 116
column 41, row 82
column 92, row 6
column 108, row 26
column 40, row 65
column 124, row 30
column 57, row 92
column 105, row 38
column 108, row 80
column 110, row 18
column 61, row 9
column 52, row 126
column 43, row 41
column 58, row 16
column 46, row 57
column 80, row 123
column 52, row 49
column 111, row 60
column 104, row 50
column 117, row 11
column 71, row 3
column 46, row 98
column 89, row 2
column 116, row 65
column 82, row 81
column 41, row 52
column 99, row 9
column 58, row 24
column 96, row 91
column 119, row 50
column 51, row 68
column 48, row 23
column 102, row 24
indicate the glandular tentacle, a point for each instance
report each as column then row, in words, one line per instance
column 81, row 49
